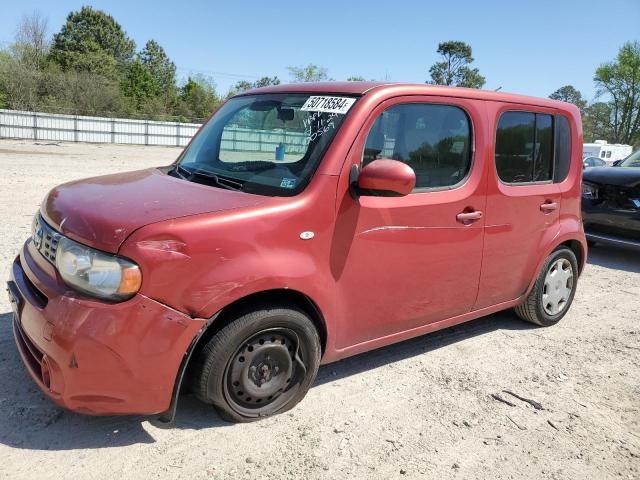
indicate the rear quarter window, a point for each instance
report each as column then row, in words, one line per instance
column 562, row 149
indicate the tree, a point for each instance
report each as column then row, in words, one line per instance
column 52, row 90
column 244, row 85
column 454, row 68
column 239, row 87
column 569, row 94
column 197, row 98
column 159, row 65
column 92, row 41
column 31, row 40
column 309, row 73
column 620, row 80
column 596, row 122
column 139, row 84
column 355, row 79
column 266, row 82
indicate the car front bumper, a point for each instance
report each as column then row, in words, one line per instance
column 94, row 357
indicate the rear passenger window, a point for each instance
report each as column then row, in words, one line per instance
column 434, row 140
column 524, row 147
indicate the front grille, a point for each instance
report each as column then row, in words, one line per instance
column 45, row 238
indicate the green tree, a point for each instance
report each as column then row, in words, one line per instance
column 92, row 41
column 239, row 87
column 5, row 61
column 139, row 84
column 569, row 94
column 596, row 122
column 197, row 98
column 244, row 85
column 355, row 79
column 454, row 68
column 266, row 82
column 308, row 73
column 620, row 81
column 160, row 66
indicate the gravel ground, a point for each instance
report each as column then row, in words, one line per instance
column 419, row 409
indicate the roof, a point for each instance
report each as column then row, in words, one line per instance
column 363, row 88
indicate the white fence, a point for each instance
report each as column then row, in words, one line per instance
column 240, row 139
column 74, row 128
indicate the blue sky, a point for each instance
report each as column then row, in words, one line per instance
column 529, row 47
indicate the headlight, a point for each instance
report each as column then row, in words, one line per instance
column 589, row 191
column 96, row 273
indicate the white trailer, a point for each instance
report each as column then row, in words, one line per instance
column 609, row 152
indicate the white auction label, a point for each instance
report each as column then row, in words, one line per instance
column 339, row 105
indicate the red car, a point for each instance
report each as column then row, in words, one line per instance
column 303, row 224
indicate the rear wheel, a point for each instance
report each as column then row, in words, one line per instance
column 553, row 292
column 260, row 364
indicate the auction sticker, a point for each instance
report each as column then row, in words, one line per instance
column 339, row 105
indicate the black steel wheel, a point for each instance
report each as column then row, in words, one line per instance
column 260, row 364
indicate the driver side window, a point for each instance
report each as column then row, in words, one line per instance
column 434, row 140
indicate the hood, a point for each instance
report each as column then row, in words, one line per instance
column 103, row 211
column 618, row 176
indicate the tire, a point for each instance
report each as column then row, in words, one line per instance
column 545, row 306
column 260, row 364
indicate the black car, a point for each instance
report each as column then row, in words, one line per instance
column 611, row 202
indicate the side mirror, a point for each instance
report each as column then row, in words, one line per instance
column 384, row 178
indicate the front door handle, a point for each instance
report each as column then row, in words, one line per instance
column 469, row 217
column 548, row 207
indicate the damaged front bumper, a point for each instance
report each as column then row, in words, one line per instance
column 94, row 357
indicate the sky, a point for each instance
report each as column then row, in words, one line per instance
column 528, row 47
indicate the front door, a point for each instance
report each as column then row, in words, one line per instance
column 403, row 262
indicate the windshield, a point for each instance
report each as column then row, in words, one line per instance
column 266, row 144
column 632, row 160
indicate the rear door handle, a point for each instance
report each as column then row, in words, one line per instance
column 548, row 207
column 468, row 217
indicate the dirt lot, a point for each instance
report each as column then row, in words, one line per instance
column 420, row 409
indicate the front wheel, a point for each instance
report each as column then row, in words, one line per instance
column 260, row 364
column 553, row 292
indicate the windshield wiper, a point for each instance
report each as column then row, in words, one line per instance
column 224, row 182
column 182, row 172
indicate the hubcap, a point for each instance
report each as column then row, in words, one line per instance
column 558, row 285
column 264, row 372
